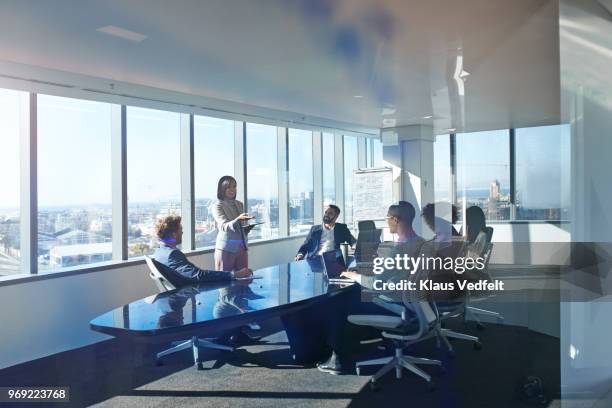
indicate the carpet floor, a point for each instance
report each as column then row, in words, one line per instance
column 123, row 374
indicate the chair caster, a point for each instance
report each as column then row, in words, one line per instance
column 374, row 386
column 159, row 362
column 477, row 345
column 480, row 326
column 441, row 370
column 451, row 354
column 431, row 386
column 199, row 366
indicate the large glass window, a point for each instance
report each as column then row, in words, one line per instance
column 442, row 168
column 74, row 182
column 543, row 173
column 213, row 159
column 350, row 164
column 9, row 168
column 153, row 167
column 301, row 184
column 483, row 172
column 262, row 179
column 329, row 175
column 377, row 153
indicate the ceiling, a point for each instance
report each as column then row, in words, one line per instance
column 374, row 63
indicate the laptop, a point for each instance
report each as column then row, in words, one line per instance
column 333, row 266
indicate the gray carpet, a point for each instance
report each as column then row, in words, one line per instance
column 255, row 376
column 121, row 373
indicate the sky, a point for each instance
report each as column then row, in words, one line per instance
column 542, row 164
column 74, row 156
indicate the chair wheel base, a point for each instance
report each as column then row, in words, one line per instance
column 374, row 386
column 477, row 345
column 199, row 366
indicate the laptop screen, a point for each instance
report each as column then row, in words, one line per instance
column 333, row 263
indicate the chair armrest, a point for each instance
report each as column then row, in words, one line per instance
column 392, row 307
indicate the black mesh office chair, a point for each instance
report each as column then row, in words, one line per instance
column 368, row 241
column 452, row 304
column 474, row 312
column 195, row 343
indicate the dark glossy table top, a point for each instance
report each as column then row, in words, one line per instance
column 280, row 287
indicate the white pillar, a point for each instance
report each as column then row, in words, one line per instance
column 409, row 149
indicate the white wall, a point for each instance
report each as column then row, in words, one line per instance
column 531, row 244
column 48, row 316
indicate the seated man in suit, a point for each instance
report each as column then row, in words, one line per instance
column 326, row 237
column 177, row 268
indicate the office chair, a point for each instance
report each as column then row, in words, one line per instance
column 474, row 312
column 415, row 321
column 455, row 304
column 195, row 343
column 368, row 241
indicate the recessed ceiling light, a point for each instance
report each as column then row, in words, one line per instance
column 389, row 122
column 357, row 96
column 451, row 129
column 122, row 33
column 427, row 117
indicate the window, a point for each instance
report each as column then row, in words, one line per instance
column 153, row 170
column 213, row 159
column 262, row 179
column 74, row 182
column 350, row 164
column 442, row 169
column 377, row 153
column 9, row 168
column 542, row 173
column 329, row 174
column 483, row 172
column 301, row 184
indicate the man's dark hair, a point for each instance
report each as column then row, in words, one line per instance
column 429, row 214
column 224, row 183
column 335, row 208
column 168, row 225
column 404, row 212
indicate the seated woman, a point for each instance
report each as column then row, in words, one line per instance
column 176, row 267
column 477, row 238
column 399, row 220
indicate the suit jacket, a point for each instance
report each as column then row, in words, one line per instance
column 180, row 272
column 231, row 236
column 311, row 245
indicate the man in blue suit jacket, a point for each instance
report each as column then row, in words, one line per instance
column 176, row 267
column 326, row 237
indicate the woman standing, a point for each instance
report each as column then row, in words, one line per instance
column 231, row 246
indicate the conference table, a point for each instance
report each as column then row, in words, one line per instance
column 297, row 292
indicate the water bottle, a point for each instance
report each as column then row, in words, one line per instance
column 344, row 248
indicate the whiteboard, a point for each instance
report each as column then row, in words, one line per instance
column 372, row 193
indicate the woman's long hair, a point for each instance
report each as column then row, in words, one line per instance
column 474, row 222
